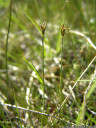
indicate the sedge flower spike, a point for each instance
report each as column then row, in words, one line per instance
column 63, row 29
column 43, row 27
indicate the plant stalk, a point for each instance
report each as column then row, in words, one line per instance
column 7, row 38
column 43, row 66
column 43, row 27
column 61, row 66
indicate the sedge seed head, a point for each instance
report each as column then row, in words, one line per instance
column 43, row 27
column 63, row 29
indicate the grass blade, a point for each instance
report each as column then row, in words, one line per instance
column 80, row 117
column 37, row 7
column 34, row 23
column 34, row 69
column 92, row 89
column 59, row 38
column 7, row 81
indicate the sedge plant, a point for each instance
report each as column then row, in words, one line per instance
column 62, row 33
column 63, row 29
column 43, row 27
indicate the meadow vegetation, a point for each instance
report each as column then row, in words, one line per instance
column 47, row 69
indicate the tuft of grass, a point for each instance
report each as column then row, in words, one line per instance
column 25, row 42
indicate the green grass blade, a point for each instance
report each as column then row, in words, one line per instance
column 82, row 110
column 80, row 117
column 7, row 39
column 92, row 89
column 19, row 23
column 34, row 23
column 59, row 37
column 37, row 7
column 18, row 112
column 34, row 69
column 78, row 5
column 4, row 119
column 91, row 118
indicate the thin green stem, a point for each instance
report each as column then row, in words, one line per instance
column 61, row 66
column 43, row 27
column 95, row 15
column 43, row 57
column 7, row 77
column 43, row 67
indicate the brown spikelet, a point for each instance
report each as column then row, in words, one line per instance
column 43, row 27
column 63, row 29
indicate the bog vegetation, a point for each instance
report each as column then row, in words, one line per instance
column 47, row 63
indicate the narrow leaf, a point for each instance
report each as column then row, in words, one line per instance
column 34, row 69
column 34, row 23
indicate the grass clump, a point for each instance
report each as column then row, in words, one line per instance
column 51, row 74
